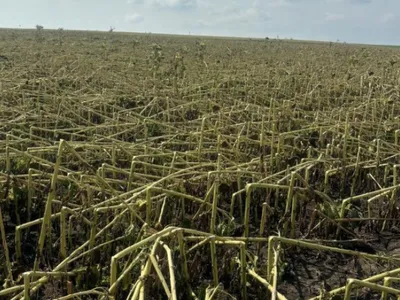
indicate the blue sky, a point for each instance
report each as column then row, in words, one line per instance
column 361, row 21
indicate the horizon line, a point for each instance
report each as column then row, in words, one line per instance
column 338, row 41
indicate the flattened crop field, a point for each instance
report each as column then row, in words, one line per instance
column 144, row 166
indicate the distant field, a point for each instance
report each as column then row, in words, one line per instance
column 148, row 166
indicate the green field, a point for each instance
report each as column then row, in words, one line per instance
column 145, row 166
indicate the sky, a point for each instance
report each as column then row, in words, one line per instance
column 352, row 21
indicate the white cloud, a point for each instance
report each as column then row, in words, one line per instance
column 330, row 17
column 254, row 13
column 135, row 1
column 361, row 1
column 165, row 3
column 175, row 3
column 134, row 18
column 349, row 1
column 386, row 18
column 234, row 16
column 277, row 3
